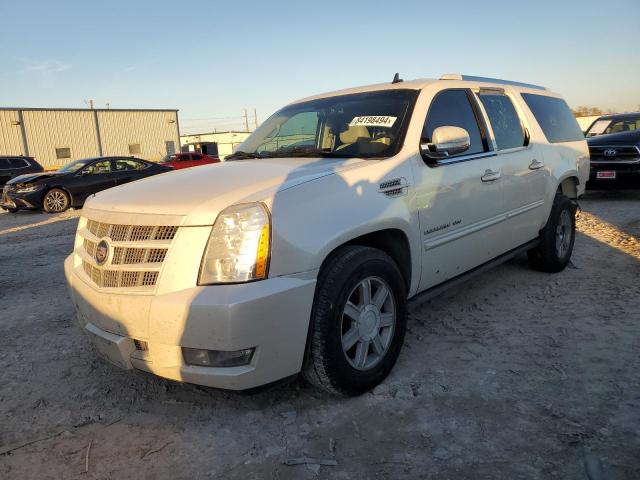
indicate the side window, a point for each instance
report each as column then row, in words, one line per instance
column 100, row 167
column 452, row 108
column 4, row 164
column 554, row 117
column 17, row 163
column 126, row 164
column 196, row 156
column 504, row 120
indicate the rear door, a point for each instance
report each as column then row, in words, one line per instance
column 524, row 175
column 128, row 169
column 458, row 198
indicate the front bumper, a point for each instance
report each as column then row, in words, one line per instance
column 30, row 201
column 271, row 316
column 626, row 173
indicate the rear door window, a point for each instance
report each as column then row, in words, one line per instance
column 453, row 108
column 554, row 117
column 506, row 125
column 123, row 164
column 4, row 164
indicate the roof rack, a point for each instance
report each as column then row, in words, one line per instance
column 471, row 78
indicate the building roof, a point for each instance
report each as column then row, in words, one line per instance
column 53, row 109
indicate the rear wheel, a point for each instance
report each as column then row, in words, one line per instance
column 556, row 238
column 358, row 321
column 55, row 201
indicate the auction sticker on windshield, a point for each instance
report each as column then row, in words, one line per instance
column 373, row 121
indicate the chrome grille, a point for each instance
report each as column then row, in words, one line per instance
column 149, row 250
column 608, row 153
column 119, row 278
column 131, row 233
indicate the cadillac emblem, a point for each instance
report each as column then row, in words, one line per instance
column 102, row 252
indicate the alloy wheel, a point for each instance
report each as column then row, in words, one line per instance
column 368, row 323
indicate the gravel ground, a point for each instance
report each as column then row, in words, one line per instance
column 515, row 374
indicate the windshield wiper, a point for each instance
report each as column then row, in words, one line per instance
column 240, row 155
column 305, row 152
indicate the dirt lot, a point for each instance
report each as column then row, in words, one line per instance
column 516, row 374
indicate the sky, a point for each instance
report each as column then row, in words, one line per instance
column 212, row 59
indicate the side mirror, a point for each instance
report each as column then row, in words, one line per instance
column 445, row 142
column 84, row 172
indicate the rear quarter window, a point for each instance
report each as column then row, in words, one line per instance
column 554, row 117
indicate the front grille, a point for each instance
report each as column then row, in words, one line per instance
column 129, row 255
column 131, row 233
column 151, row 244
column 104, row 278
column 613, row 153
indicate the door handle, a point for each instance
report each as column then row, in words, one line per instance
column 535, row 164
column 490, row 176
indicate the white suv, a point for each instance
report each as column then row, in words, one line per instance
column 302, row 251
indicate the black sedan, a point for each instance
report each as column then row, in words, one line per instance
column 12, row 166
column 72, row 184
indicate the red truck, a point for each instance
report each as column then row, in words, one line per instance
column 188, row 159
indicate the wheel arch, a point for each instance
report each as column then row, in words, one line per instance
column 392, row 241
column 568, row 185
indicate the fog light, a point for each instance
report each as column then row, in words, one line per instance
column 217, row 358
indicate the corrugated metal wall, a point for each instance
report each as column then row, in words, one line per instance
column 10, row 134
column 150, row 130
column 50, row 129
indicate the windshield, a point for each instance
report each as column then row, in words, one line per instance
column 606, row 125
column 75, row 166
column 365, row 125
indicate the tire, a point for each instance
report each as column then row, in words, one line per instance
column 55, row 201
column 556, row 238
column 372, row 342
column 10, row 209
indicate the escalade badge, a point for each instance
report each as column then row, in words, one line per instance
column 610, row 153
column 102, row 252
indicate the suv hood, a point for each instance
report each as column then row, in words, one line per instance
column 621, row 138
column 32, row 177
column 202, row 192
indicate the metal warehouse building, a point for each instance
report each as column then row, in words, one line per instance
column 55, row 137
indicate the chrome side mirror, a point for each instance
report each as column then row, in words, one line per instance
column 445, row 142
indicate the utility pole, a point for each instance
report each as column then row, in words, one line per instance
column 255, row 118
column 246, row 120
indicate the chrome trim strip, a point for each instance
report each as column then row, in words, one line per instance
column 463, row 158
column 475, row 227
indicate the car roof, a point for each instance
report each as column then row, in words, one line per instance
column 619, row 116
column 455, row 80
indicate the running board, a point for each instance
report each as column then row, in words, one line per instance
column 423, row 297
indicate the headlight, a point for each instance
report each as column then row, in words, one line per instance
column 239, row 246
column 34, row 187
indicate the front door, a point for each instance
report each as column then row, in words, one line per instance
column 459, row 198
column 91, row 179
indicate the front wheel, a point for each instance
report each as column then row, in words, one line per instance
column 55, row 201
column 358, row 321
column 556, row 238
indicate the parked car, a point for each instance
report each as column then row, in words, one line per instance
column 186, row 160
column 615, row 160
column 301, row 253
column 12, row 166
column 72, row 184
column 615, row 123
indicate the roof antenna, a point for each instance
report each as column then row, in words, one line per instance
column 396, row 78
